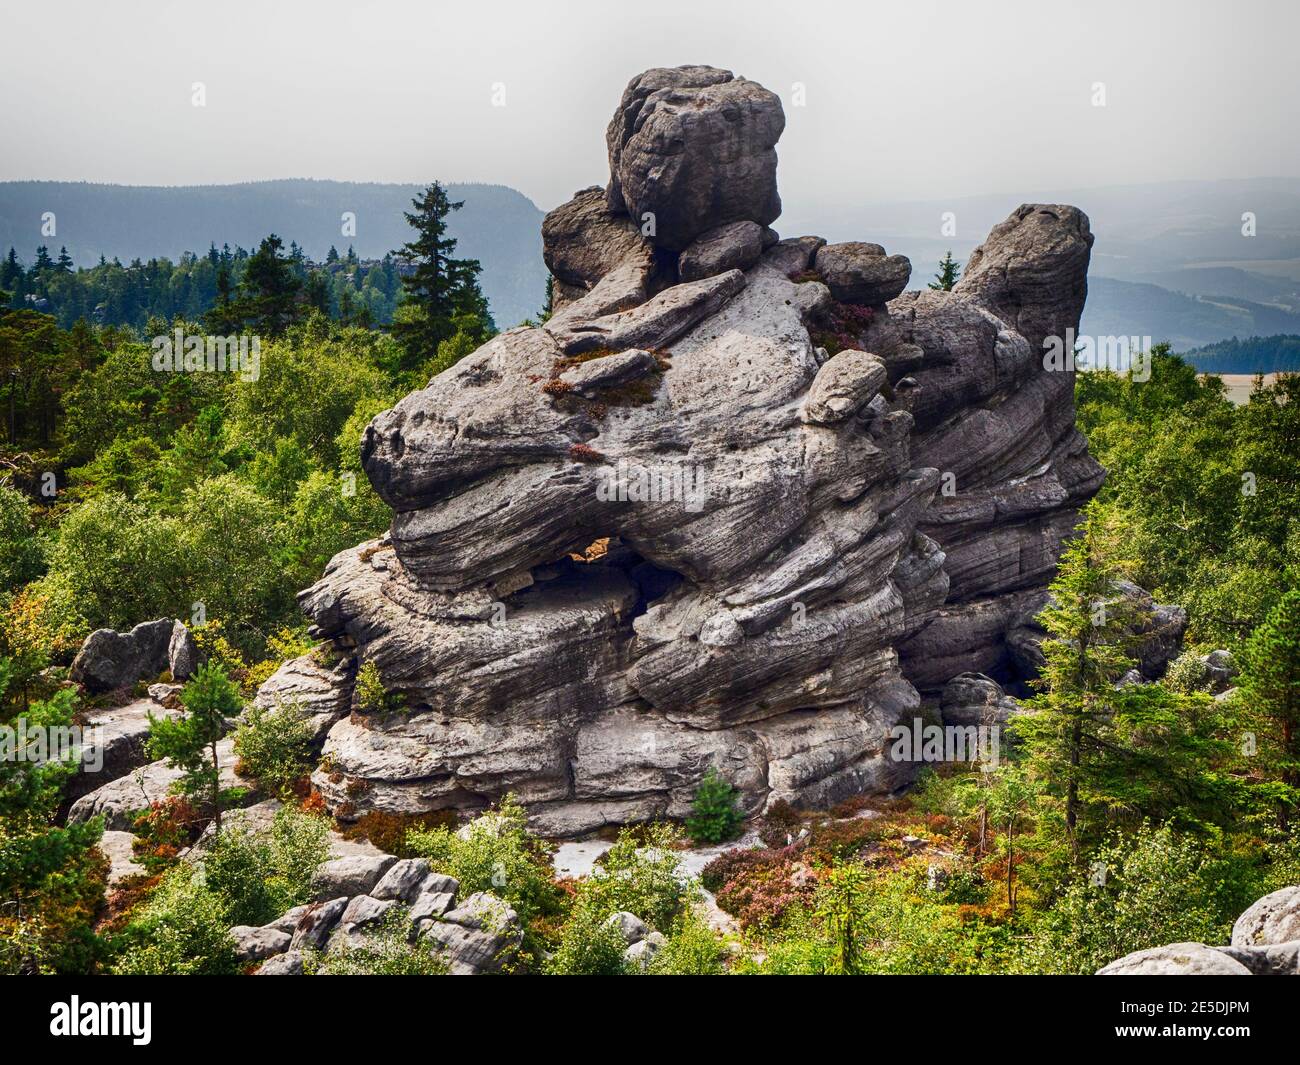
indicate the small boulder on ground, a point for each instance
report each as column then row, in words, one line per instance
column 1273, row 919
column 481, row 935
column 286, row 964
column 629, row 925
column 183, row 654
column 109, row 660
column 350, row 876
column 1176, row 959
column 316, row 924
column 403, row 880
column 641, row 953
column 255, row 944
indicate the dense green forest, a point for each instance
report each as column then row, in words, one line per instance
column 343, row 287
column 131, row 493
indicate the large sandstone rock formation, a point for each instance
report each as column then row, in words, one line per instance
column 709, row 513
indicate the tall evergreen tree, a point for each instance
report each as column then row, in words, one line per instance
column 1271, row 678
column 443, row 290
column 270, row 291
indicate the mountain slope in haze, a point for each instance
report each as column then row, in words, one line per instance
column 1271, row 354
column 1127, row 308
column 498, row 225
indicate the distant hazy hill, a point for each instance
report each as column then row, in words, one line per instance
column 498, row 226
column 1272, row 354
column 1127, row 308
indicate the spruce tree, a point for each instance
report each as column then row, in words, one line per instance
column 1270, row 677
column 1083, row 659
column 190, row 742
column 443, row 290
column 948, row 274
column 270, row 292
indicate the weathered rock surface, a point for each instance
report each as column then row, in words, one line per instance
column 1273, row 919
column 317, row 923
column 110, row 660
column 695, row 147
column 256, row 944
column 604, row 577
column 118, row 799
column 115, row 744
column 290, row 963
column 481, row 935
column 118, row 848
column 583, row 240
column 322, row 692
column 735, row 246
column 974, row 699
column 1274, row 959
column 641, row 953
column 1177, row 959
column 857, row 272
column 183, row 654
column 349, row 876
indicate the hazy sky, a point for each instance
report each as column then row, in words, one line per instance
column 912, row 99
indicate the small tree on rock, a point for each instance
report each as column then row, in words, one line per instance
column 948, row 274
column 190, row 742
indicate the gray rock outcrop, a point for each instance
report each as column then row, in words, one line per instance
column 695, row 148
column 109, row 660
column 731, row 520
column 1177, row 959
column 1272, row 920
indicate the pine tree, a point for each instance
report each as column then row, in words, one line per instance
column 548, row 307
column 64, row 264
column 270, row 291
column 948, row 274
column 190, row 742
column 442, row 289
column 223, row 317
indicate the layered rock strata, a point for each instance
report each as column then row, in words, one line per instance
column 732, row 505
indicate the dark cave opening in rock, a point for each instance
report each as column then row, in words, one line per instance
column 652, row 582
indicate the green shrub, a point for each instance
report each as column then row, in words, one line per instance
column 386, row 951
column 495, row 853
column 589, row 946
column 715, row 818
column 181, row 931
column 274, row 747
column 372, row 696
column 259, row 875
column 1139, row 891
column 693, row 949
column 641, row 873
